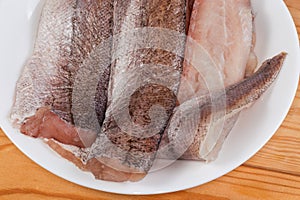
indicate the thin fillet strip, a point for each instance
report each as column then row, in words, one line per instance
column 238, row 96
column 241, row 95
column 69, row 38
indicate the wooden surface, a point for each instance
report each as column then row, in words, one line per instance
column 21, row 178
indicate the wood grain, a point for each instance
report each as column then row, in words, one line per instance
column 294, row 8
column 282, row 152
column 273, row 173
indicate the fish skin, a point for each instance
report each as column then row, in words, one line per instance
column 68, row 36
column 114, row 146
column 238, row 96
column 32, row 90
column 92, row 47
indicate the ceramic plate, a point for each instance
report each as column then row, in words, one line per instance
column 275, row 33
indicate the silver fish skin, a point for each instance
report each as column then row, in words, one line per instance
column 242, row 95
column 238, row 97
column 72, row 50
column 34, row 86
column 155, row 73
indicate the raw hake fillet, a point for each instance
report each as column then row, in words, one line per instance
column 219, row 51
column 227, row 36
column 144, row 82
column 66, row 78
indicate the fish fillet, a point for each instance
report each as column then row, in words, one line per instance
column 143, row 85
column 219, row 53
column 66, row 78
column 229, row 43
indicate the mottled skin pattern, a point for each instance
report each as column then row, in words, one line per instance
column 44, row 81
column 139, row 152
column 69, row 32
column 238, row 97
column 92, row 26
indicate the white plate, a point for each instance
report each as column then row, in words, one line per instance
column 275, row 33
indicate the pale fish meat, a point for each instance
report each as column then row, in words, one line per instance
column 219, row 52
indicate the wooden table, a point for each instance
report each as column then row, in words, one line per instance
column 21, row 178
